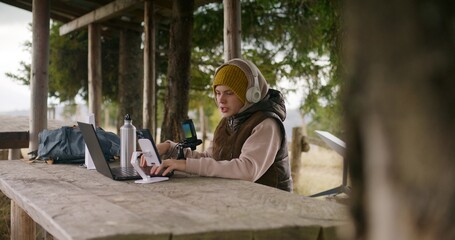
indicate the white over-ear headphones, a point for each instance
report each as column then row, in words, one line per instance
column 253, row 94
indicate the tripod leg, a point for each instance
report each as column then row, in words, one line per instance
column 329, row 192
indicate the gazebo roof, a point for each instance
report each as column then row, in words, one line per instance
column 117, row 13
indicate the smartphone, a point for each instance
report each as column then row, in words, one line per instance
column 188, row 131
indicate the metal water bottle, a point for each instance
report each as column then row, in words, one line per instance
column 127, row 142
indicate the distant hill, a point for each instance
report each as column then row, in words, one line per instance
column 15, row 113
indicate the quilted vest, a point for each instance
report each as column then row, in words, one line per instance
column 228, row 143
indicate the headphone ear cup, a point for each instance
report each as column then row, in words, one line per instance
column 253, row 94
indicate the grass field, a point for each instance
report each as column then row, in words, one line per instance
column 321, row 169
column 4, row 217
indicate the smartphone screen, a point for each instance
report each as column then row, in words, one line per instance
column 188, row 130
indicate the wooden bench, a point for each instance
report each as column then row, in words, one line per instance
column 14, row 141
column 14, row 133
column 71, row 202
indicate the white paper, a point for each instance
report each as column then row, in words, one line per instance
column 335, row 143
column 88, row 158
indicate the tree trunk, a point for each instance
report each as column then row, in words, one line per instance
column 400, row 98
column 130, row 77
column 176, row 104
column 95, row 81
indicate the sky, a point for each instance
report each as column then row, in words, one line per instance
column 14, row 31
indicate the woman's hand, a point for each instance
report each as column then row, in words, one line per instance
column 168, row 165
column 163, row 148
column 143, row 162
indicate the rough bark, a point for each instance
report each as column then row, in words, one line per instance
column 400, row 98
column 130, row 77
column 178, row 75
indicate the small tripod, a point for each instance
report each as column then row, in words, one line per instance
column 186, row 144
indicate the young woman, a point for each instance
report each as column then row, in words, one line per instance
column 249, row 142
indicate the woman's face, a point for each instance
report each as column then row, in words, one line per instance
column 228, row 103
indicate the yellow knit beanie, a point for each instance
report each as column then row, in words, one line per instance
column 233, row 77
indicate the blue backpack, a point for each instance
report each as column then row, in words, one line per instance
column 66, row 145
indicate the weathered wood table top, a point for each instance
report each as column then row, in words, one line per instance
column 71, row 202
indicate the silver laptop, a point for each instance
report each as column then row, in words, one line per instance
column 100, row 161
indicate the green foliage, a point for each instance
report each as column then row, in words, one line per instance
column 68, row 67
column 24, row 73
column 68, row 64
column 5, row 216
column 295, row 41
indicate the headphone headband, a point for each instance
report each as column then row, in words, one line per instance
column 253, row 93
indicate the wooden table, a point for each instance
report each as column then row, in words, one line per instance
column 71, row 202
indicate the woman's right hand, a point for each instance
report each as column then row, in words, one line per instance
column 163, row 148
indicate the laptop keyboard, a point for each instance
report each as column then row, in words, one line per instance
column 124, row 171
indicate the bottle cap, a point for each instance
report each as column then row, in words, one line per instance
column 127, row 117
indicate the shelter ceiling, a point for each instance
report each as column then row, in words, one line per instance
column 68, row 10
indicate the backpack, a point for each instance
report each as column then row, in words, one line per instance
column 66, row 145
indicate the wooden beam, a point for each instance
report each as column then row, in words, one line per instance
column 18, row 139
column 110, row 10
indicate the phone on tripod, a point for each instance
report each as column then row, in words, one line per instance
column 189, row 131
column 190, row 138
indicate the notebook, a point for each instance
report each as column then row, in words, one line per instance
column 101, row 164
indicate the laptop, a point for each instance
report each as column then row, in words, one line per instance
column 101, row 163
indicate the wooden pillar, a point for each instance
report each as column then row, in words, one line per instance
column 39, row 73
column 94, row 71
column 22, row 225
column 149, row 96
column 296, row 153
column 232, row 29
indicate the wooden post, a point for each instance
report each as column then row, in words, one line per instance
column 232, row 29
column 22, row 225
column 299, row 144
column 14, row 153
column 296, row 150
column 149, row 95
column 94, row 71
column 39, row 73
